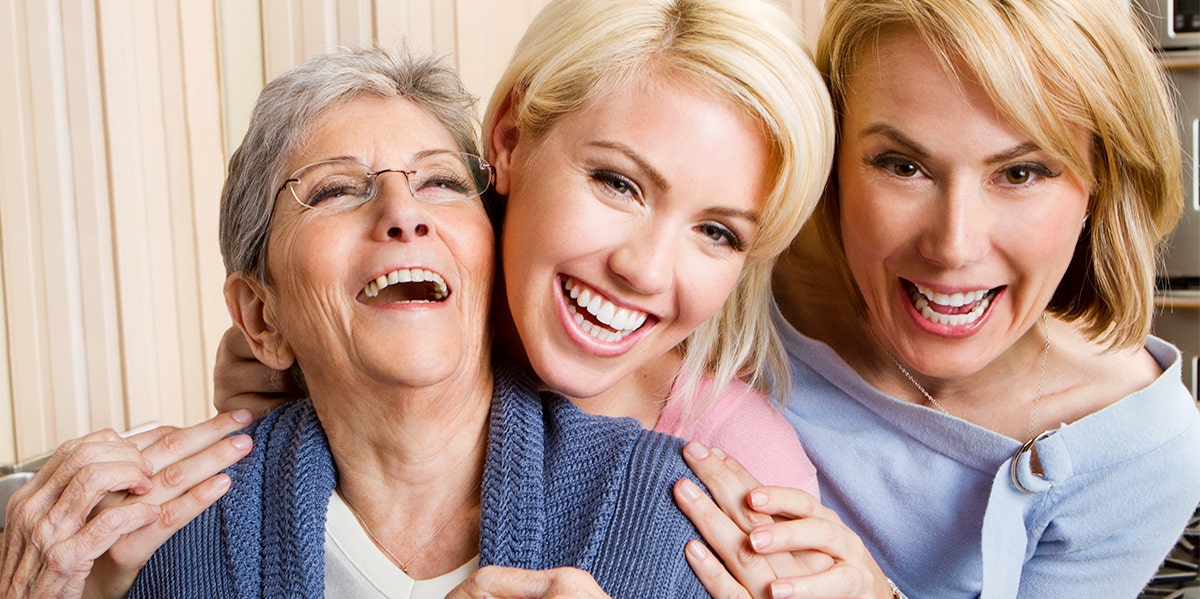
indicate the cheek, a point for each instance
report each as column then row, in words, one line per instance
column 705, row 286
column 541, row 231
column 862, row 236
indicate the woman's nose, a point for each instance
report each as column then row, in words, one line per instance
column 957, row 231
column 645, row 261
column 401, row 216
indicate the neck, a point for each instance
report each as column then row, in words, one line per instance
column 1004, row 396
column 407, row 459
column 641, row 395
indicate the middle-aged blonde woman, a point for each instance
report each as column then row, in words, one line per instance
column 987, row 412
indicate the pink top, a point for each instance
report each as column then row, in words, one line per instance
column 744, row 424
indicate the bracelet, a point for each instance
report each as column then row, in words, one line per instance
column 896, row 594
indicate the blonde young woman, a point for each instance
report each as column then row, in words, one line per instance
column 611, row 209
column 980, row 393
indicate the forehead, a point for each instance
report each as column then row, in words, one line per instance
column 375, row 130
column 899, row 59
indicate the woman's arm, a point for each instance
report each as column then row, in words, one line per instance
column 773, row 542
column 102, row 504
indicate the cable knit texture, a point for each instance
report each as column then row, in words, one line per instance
column 560, row 488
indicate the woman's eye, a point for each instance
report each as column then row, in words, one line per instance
column 444, row 188
column 617, row 184
column 897, row 165
column 721, row 235
column 336, row 194
column 1025, row 174
column 1017, row 176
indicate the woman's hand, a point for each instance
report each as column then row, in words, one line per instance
column 775, row 542
column 107, row 502
column 496, row 582
column 240, row 381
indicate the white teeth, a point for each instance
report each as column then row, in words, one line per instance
column 407, row 275
column 621, row 321
column 923, row 296
column 954, row 301
column 606, row 313
column 594, row 305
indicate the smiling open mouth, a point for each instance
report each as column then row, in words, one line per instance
column 596, row 315
column 406, row 286
column 954, row 310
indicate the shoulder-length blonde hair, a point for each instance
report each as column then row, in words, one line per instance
column 745, row 51
column 1054, row 67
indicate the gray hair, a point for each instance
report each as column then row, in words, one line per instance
column 287, row 107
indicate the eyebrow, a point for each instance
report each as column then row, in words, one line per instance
column 629, row 153
column 895, row 135
column 902, row 139
column 749, row 215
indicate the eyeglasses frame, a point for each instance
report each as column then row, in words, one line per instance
column 373, row 175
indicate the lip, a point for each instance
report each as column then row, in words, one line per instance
column 947, row 330
column 588, row 343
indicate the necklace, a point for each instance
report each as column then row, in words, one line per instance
column 1037, row 398
column 404, row 565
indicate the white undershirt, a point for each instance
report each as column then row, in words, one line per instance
column 356, row 567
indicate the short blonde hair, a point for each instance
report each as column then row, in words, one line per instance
column 1054, row 67
column 745, row 51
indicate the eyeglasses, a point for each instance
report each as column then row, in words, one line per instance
column 436, row 176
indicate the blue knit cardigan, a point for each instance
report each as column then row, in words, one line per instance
column 560, row 488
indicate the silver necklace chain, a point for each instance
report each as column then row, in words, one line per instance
column 404, row 566
column 1037, row 398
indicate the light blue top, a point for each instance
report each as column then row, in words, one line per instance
column 933, row 498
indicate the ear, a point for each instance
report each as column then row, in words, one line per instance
column 502, row 141
column 247, row 303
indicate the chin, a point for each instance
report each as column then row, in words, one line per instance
column 577, row 382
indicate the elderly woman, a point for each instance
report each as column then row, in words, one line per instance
column 981, row 397
column 351, row 219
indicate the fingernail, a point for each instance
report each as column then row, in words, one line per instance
column 696, row 550
column 696, row 450
column 241, row 442
column 781, row 590
column 221, row 482
column 690, row 491
column 720, row 454
column 760, row 540
column 242, row 416
column 758, row 499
